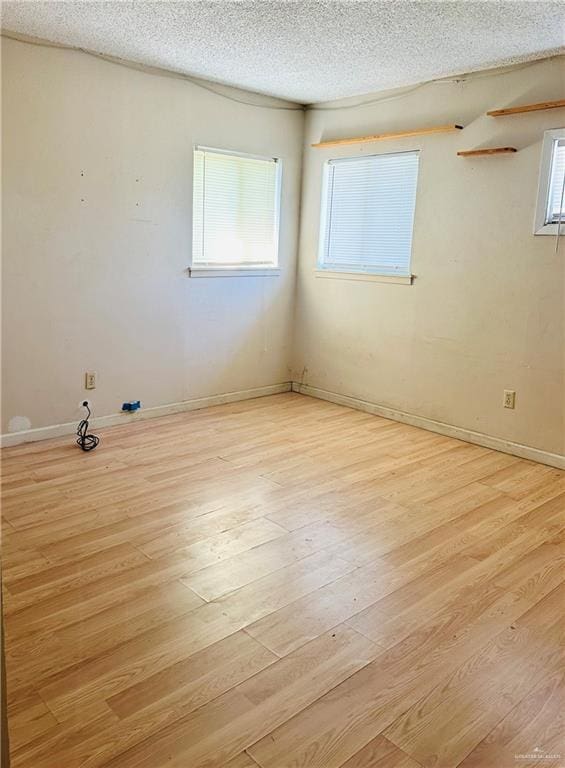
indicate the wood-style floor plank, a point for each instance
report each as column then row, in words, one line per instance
column 278, row 583
column 380, row 753
column 531, row 733
column 340, row 723
column 450, row 720
column 29, row 718
column 241, row 761
column 218, row 731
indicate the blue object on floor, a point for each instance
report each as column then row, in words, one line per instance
column 134, row 405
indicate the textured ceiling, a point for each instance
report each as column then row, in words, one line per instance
column 304, row 51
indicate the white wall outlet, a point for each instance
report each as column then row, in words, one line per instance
column 509, row 398
column 90, row 380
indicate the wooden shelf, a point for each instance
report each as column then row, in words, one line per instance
column 527, row 108
column 486, row 151
column 385, row 136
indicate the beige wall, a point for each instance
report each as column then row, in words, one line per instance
column 97, row 169
column 486, row 311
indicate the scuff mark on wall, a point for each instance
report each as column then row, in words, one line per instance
column 19, row 424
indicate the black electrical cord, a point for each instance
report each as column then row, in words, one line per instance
column 85, row 441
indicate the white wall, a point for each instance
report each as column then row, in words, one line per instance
column 486, row 311
column 97, row 195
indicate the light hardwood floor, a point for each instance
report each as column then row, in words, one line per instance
column 282, row 582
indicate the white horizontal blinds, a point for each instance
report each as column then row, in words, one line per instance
column 369, row 213
column 198, row 208
column 556, row 182
column 235, row 209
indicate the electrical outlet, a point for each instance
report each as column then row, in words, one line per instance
column 90, row 380
column 509, row 398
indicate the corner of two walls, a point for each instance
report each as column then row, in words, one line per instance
column 486, row 311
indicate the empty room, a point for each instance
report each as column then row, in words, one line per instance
column 283, row 384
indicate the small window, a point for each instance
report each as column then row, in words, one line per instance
column 551, row 206
column 235, row 211
column 368, row 214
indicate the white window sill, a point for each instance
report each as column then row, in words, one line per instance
column 365, row 276
column 550, row 229
column 233, row 271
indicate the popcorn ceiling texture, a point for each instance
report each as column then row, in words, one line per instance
column 304, row 51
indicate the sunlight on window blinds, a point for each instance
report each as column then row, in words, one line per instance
column 235, row 209
column 368, row 213
column 556, row 182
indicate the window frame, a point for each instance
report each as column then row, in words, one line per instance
column 540, row 225
column 324, row 269
column 239, row 269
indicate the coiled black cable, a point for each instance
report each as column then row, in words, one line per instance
column 85, row 441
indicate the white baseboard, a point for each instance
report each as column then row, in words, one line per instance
column 123, row 417
column 487, row 441
column 478, row 438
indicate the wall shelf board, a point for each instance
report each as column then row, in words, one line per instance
column 527, row 108
column 393, row 135
column 486, row 151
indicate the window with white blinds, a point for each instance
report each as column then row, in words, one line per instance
column 554, row 203
column 235, row 210
column 368, row 214
column 550, row 192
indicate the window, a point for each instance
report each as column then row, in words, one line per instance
column 368, row 214
column 550, row 191
column 235, row 212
